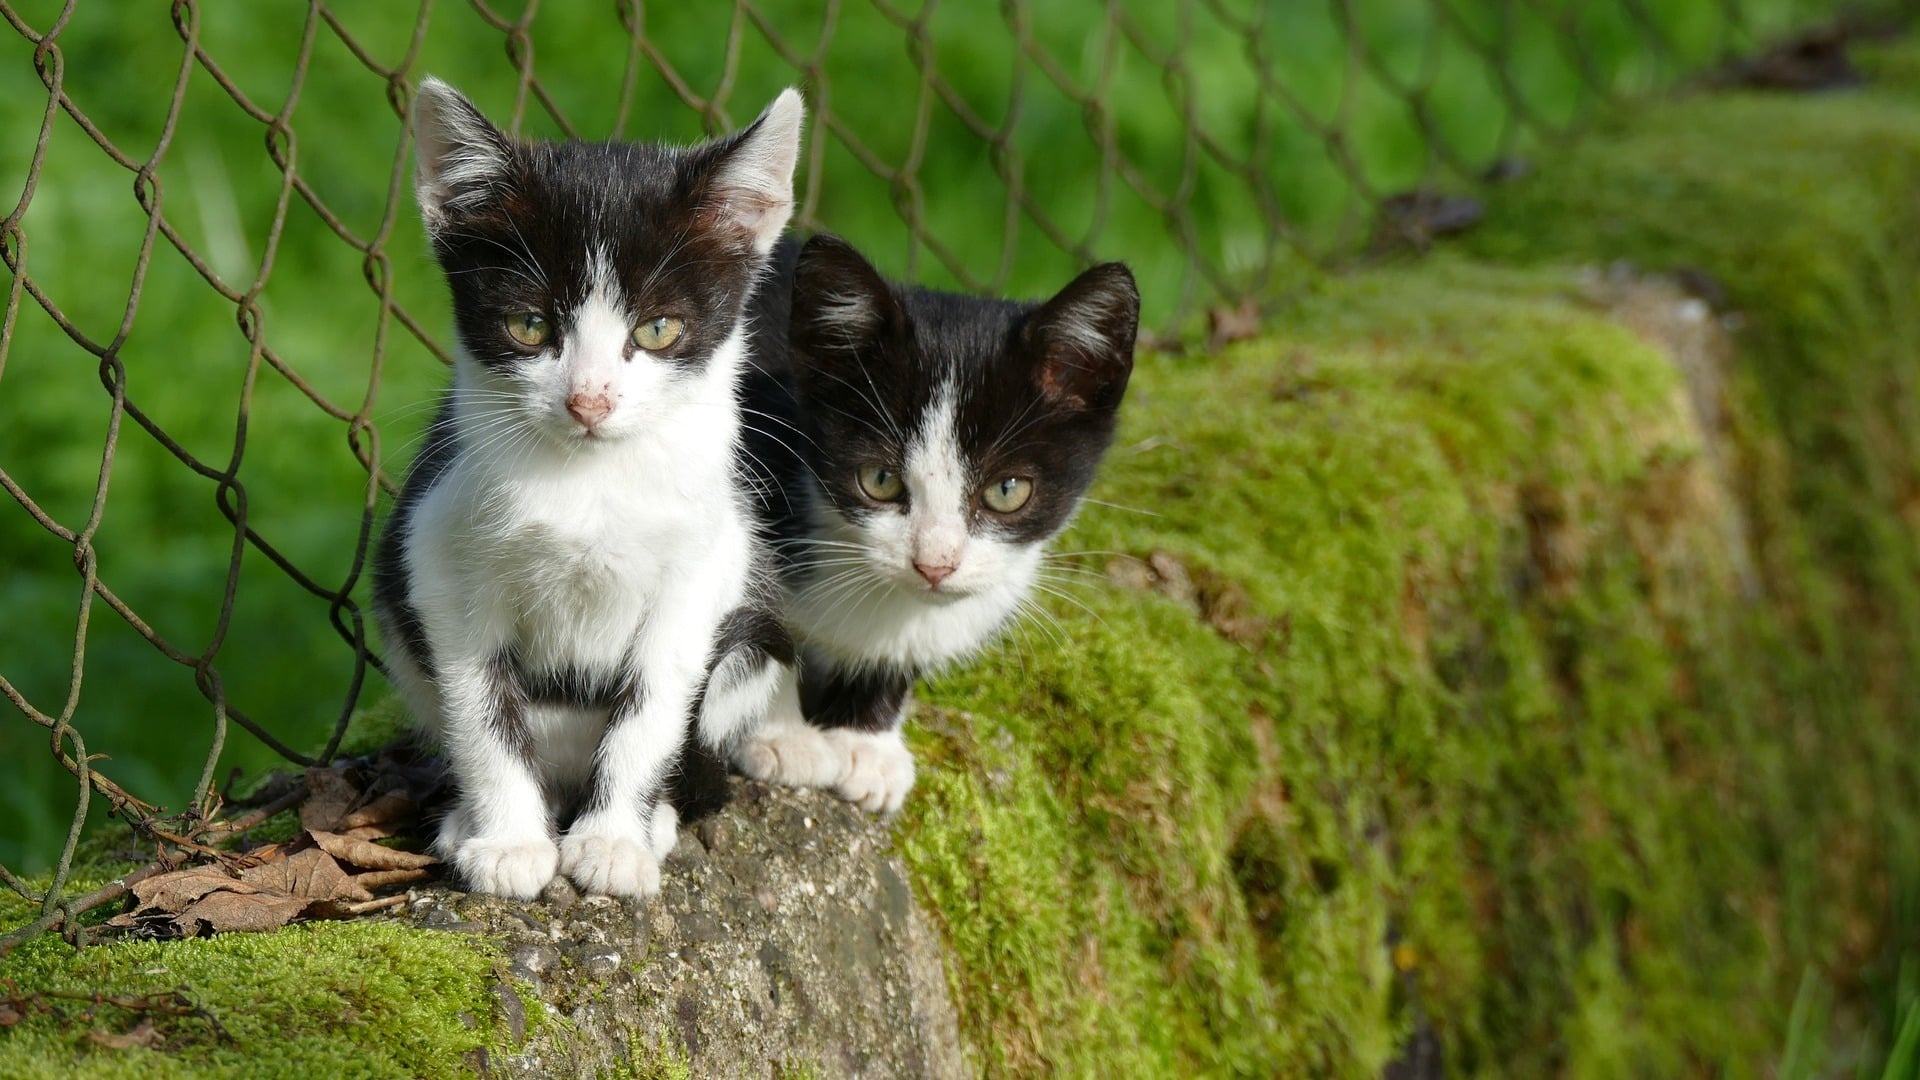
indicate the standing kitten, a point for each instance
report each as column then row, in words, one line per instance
column 919, row 451
column 569, row 571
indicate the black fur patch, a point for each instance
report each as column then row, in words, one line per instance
column 699, row 787
column 612, row 690
column 867, row 700
column 754, row 629
column 400, row 625
column 509, row 718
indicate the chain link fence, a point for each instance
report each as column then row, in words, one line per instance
column 221, row 322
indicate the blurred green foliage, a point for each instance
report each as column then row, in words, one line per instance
column 1178, row 75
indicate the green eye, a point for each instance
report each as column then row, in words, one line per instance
column 657, row 333
column 1006, row 496
column 529, row 329
column 881, row 484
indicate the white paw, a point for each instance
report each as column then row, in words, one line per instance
column 878, row 769
column 663, row 832
column 515, row 867
column 794, row 754
column 604, row 863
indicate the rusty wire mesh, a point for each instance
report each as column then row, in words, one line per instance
column 1225, row 147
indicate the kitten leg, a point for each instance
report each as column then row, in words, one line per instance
column 850, row 742
column 610, row 848
column 785, row 749
column 499, row 835
column 732, row 703
column 861, row 712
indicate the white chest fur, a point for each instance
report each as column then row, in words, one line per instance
column 566, row 553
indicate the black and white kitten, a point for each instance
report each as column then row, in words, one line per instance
column 919, row 450
column 571, row 569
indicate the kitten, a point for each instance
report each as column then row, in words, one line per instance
column 918, row 450
column 570, row 572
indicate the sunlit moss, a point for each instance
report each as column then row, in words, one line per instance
column 323, row 999
column 1566, row 736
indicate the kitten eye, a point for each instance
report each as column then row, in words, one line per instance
column 881, row 484
column 657, row 333
column 529, row 328
column 1006, row 496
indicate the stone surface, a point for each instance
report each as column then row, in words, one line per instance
column 785, row 939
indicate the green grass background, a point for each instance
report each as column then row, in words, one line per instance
column 164, row 545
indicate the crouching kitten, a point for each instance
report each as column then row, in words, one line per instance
column 571, row 570
column 917, row 452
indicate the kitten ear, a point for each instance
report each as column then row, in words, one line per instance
column 752, row 189
column 841, row 304
column 1082, row 339
column 459, row 153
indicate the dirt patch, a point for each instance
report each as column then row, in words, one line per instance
column 1220, row 601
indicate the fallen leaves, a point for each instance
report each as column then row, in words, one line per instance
column 1813, row 61
column 1227, row 324
column 1417, row 218
column 329, row 870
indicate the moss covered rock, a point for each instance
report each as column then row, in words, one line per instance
column 1524, row 685
column 1506, row 661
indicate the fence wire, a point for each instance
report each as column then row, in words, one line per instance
column 1223, row 147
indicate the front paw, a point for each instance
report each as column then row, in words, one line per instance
column 794, row 754
column 878, row 769
column 609, row 863
column 517, row 867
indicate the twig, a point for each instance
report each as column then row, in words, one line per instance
column 380, row 904
column 168, row 1003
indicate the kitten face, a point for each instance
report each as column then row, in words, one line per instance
column 594, row 283
column 951, row 437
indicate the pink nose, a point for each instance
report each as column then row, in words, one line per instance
column 934, row 574
column 590, row 409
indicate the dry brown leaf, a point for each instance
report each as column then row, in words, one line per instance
column 1228, row 324
column 386, row 813
column 327, row 871
column 309, row 883
column 379, row 879
column 172, row 892
column 223, row 911
column 140, row 1036
column 268, row 852
column 333, row 796
column 311, row 874
column 372, row 856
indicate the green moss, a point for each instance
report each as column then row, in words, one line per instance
column 1547, row 726
column 365, row 999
